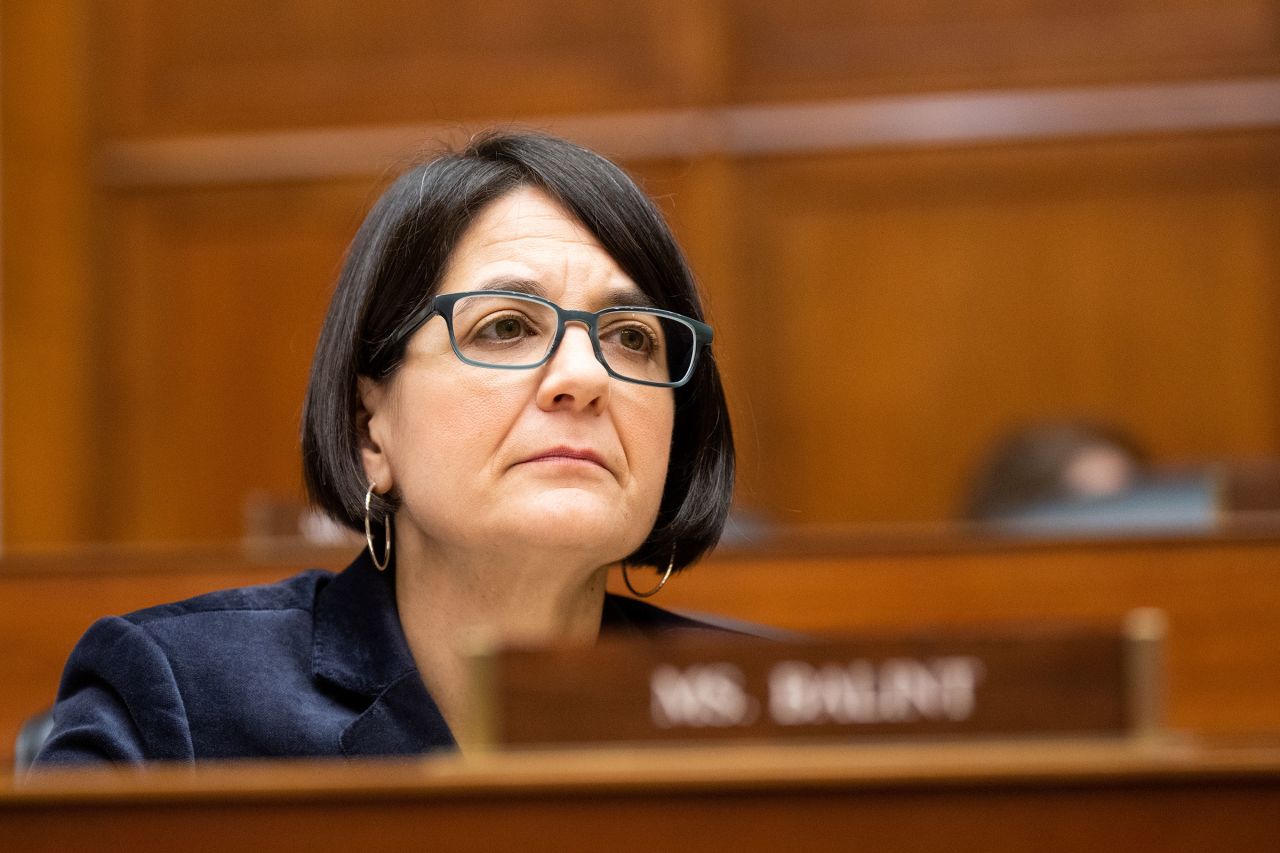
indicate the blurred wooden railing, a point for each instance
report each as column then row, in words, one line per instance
column 1221, row 594
column 955, row 797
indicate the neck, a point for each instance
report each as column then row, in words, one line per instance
column 451, row 604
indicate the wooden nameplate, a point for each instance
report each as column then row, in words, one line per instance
column 1052, row 680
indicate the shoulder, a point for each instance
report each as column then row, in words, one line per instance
column 138, row 687
column 230, row 618
column 291, row 594
column 230, row 626
column 214, row 645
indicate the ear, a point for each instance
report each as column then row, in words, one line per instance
column 372, row 420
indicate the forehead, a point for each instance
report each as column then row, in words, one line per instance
column 527, row 236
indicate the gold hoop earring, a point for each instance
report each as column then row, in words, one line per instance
column 665, row 577
column 368, row 533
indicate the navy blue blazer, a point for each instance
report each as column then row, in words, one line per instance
column 315, row 665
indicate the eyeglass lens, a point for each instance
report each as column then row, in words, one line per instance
column 507, row 331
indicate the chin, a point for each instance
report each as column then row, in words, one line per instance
column 578, row 522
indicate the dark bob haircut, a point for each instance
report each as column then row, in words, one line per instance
column 395, row 264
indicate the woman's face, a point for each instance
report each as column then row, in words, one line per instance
column 559, row 457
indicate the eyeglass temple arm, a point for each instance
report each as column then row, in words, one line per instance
column 410, row 325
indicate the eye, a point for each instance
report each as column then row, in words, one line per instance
column 631, row 338
column 507, row 328
column 504, row 327
column 635, row 339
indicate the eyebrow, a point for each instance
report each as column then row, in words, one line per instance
column 616, row 297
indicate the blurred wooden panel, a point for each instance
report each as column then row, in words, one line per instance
column 156, row 338
column 48, row 314
column 904, row 308
column 181, row 67
column 1130, row 280
column 829, row 48
column 216, row 301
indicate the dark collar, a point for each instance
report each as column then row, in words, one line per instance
column 358, row 643
column 359, row 646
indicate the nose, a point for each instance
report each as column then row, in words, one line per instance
column 574, row 379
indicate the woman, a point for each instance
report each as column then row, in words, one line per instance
column 512, row 392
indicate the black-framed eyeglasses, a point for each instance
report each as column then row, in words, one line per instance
column 507, row 330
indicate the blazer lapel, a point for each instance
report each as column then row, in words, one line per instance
column 402, row 720
column 359, row 647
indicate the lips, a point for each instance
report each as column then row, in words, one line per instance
column 568, row 453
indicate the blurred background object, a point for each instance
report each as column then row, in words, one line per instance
column 1075, row 477
column 917, row 225
column 1056, row 462
column 1072, row 477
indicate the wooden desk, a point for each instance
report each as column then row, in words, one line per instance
column 947, row 797
column 1221, row 594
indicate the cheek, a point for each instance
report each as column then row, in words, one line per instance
column 651, row 437
column 447, row 427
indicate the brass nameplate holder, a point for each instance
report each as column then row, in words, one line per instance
column 1045, row 681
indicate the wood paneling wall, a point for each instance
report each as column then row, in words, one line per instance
column 882, row 311
column 915, row 303
column 834, row 48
